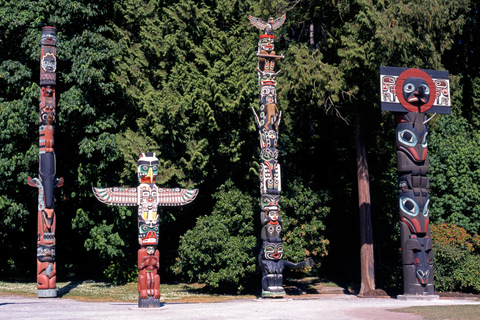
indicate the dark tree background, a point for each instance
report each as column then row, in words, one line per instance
column 178, row 78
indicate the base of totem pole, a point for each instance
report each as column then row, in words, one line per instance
column 273, row 294
column 151, row 302
column 46, row 293
column 417, row 297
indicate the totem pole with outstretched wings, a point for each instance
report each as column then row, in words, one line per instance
column 148, row 197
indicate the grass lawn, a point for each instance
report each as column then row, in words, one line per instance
column 467, row 312
column 100, row 291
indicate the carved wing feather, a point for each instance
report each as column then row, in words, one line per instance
column 117, row 196
column 260, row 24
column 279, row 22
column 176, row 196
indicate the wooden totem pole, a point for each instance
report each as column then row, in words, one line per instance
column 47, row 182
column 268, row 121
column 147, row 196
column 411, row 93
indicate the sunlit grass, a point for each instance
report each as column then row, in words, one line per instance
column 465, row 312
column 100, row 291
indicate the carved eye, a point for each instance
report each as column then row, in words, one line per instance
column 424, row 140
column 278, row 229
column 407, row 137
column 409, row 87
column 420, row 273
column 425, row 208
column 144, row 229
column 409, row 206
column 280, row 248
column 269, row 249
column 425, row 88
column 270, row 229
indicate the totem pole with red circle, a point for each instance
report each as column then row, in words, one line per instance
column 411, row 94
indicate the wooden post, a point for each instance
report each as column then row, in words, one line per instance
column 366, row 233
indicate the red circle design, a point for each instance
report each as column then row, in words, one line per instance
column 417, row 74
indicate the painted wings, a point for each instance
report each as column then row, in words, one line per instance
column 129, row 196
column 279, row 22
column 260, row 24
column 176, row 196
column 117, row 196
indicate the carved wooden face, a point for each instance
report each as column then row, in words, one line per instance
column 46, row 253
column 148, row 232
column 47, row 104
column 267, row 44
column 416, row 91
column 411, row 137
column 414, row 211
column 273, row 250
column 267, row 78
column 421, row 262
column 147, row 168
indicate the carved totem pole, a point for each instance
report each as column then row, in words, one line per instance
column 411, row 93
column 47, row 182
column 147, row 196
column 268, row 121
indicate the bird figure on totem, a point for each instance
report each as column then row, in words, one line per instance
column 147, row 196
column 269, row 25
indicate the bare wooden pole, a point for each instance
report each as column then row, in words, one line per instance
column 366, row 234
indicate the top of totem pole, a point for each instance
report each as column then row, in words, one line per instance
column 270, row 25
column 49, row 36
column 414, row 90
column 147, row 168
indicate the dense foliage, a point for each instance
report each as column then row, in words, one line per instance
column 178, row 78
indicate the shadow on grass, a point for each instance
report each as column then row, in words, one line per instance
column 67, row 288
column 297, row 287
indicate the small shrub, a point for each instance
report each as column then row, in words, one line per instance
column 456, row 258
column 220, row 250
column 303, row 229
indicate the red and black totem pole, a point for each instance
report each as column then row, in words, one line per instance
column 411, row 93
column 268, row 121
column 47, row 181
column 148, row 197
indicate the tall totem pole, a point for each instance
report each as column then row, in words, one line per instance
column 47, row 182
column 268, row 121
column 147, row 196
column 411, row 93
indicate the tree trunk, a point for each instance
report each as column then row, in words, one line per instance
column 366, row 234
column 311, row 35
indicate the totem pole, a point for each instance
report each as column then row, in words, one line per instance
column 47, row 182
column 147, row 196
column 268, row 121
column 411, row 93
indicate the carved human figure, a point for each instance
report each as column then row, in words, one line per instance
column 148, row 279
column 46, row 267
column 272, row 266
